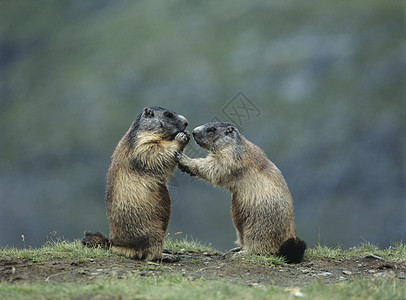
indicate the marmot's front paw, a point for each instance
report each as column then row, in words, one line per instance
column 182, row 160
column 183, row 137
column 186, row 169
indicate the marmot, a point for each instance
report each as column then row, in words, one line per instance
column 138, row 206
column 262, row 207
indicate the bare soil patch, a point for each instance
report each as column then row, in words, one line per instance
column 206, row 266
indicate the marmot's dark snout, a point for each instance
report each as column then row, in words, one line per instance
column 198, row 136
column 180, row 126
column 184, row 122
column 195, row 134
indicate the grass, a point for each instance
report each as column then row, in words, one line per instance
column 165, row 287
column 57, row 248
column 177, row 244
column 359, row 289
column 178, row 287
column 395, row 252
column 262, row 260
column 169, row 286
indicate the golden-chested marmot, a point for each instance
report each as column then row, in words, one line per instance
column 137, row 200
column 262, row 207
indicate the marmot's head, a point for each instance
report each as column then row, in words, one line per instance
column 217, row 136
column 159, row 121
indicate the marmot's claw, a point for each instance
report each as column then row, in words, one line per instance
column 185, row 169
column 182, row 158
column 183, row 137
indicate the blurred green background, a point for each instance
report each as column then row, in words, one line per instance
column 322, row 83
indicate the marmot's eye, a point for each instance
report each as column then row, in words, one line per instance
column 211, row 129
column 168, row 114
column 229, row 130
column 149, row 112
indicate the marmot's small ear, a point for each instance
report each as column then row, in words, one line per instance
column 230, row 129
column 148, row 112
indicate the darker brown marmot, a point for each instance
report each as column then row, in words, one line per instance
column 262, row 207
column 137, row 200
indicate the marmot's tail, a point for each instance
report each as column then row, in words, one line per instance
column 293, row 250
column 97, row 239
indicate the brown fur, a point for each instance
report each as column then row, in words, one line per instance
column 261, row 207
column 138, row 205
